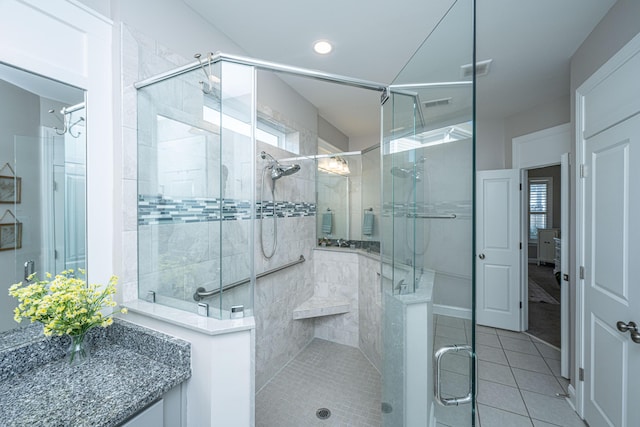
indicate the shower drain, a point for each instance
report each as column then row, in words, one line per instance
column 323, row 413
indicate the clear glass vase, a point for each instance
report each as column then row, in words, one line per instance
column 79, row 351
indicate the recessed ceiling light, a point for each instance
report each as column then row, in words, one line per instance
column 322, row 47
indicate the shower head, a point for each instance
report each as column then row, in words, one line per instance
column 278, row 170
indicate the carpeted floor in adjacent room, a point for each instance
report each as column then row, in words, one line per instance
column 544, row 304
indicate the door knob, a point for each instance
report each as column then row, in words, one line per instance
column 624, row 327
column 481, row 256
column 629, row 327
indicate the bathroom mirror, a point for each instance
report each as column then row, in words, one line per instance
column 334, row 184
column 348, row 196
column 42, row 145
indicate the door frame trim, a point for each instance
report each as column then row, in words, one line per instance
column 616, row 61
column 535, row 150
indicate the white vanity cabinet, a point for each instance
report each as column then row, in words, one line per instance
column 149, row 417
column 546, row 244
column 558, row 255
column 169, row 411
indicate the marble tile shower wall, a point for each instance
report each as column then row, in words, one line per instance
column 354, row 277
column 370, row 310
column 337, row 275
column 278, row 337
column 187, row 250
column 141, row 57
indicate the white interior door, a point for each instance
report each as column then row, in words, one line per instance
column 612, row 274
column 608, row 233
column 498, row 291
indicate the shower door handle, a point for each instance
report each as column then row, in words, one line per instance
column 452, row 401
column 29, row 269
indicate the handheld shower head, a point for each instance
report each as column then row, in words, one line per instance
column 278, row 170
column 400, row 172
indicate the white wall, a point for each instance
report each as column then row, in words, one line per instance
column 174, row 25
column 332, row 135
column 547, row 115
column 494, row 136
column 361, row 142
column 282, row 99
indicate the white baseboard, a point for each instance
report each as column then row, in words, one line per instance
column 451, row 311
column 432, row 416
column 572, row 397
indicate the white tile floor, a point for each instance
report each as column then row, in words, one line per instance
column 518, row 380
column 519, row 377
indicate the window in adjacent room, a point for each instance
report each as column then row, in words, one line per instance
column 540, row 196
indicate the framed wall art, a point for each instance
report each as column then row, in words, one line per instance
column 10, row 233
column 10, row 186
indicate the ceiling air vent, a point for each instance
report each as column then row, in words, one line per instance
column 436, row 102
column 482, row 69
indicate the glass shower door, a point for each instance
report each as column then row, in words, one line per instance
column 196, row 158
column 427, row 247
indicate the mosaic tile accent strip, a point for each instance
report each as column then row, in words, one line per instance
column 164, row 210
column 286, row 209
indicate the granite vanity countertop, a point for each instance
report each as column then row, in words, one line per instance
column 130, row 368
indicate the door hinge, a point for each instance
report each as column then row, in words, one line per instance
column 384, row 96
column 583, row 170
column 581, row 374
column 520, row 186
column 520, row 245
column 520, row 304
column 55, row 186
column 581, row 272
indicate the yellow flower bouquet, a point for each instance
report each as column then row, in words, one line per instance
column 66, row 305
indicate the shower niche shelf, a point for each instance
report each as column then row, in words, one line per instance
column 321, row 306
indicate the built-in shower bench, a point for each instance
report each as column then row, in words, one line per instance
column 321, row 306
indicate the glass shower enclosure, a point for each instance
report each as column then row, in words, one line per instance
column 196, row 190
column 428, row 228
column 198, row 203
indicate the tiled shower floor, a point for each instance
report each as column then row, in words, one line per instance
column 323, row 375
column 518, row 381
